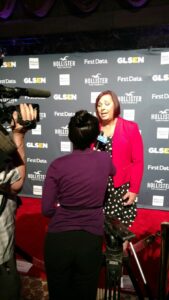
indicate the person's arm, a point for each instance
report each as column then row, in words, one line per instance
column 18, row 135
column 137, row 166
column 50, row 191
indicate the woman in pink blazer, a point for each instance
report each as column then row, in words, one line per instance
column 125, row 145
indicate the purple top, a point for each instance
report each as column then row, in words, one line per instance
column 73, row 191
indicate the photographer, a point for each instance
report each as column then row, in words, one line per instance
column 12, row 175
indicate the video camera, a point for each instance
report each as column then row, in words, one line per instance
column 7, row 146
column 6, row 113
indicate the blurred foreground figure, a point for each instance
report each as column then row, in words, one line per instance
column 12, row 175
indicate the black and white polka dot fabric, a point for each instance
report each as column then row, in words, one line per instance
column 113, row 200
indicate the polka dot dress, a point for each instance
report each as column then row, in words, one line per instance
column 113, row 199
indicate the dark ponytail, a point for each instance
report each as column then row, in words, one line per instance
column 83, row 129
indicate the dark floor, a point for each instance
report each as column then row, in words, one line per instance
column 36, row 289
column 123, row 296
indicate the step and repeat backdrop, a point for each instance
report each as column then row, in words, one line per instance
column 140, row 78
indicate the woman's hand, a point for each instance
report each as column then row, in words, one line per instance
column 129, row 198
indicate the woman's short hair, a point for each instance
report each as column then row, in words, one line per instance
column 83, row 129
column 114, row 99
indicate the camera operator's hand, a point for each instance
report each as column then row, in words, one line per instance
column 27, row 115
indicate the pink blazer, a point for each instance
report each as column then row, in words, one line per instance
column 127, row 154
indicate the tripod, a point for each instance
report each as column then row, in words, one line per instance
column 115, row 235
column 113, row 263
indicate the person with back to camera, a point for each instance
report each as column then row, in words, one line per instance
column 73, row 196
column 12, row 176
column 125, row 145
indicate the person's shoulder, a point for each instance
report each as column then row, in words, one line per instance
column 102, row 154
column 128, row 123
column 59, row 160
column 104, row 159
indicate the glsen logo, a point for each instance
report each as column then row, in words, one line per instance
column 64, row 63
column 96, row 80
column 63, row 114
column 6, row 81
column 95, row 61
column 36, row 160
column 158, row 185
column 159, row 97
column 66, row 97
column 130, row 98
column 36, row 80
column 129, row 79
column 36, row 176
column 9, row 64
column 158, row 150
column 158, row 168
column 131, row 60
column 162, row 115
column 63, row 131
column 37, row 145
column 164, row 77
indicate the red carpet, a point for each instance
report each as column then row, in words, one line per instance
column 31, row 226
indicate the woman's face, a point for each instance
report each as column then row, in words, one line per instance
column 105, row 108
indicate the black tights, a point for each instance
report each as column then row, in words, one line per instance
column 9, row 281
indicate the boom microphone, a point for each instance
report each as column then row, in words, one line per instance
column 101, row 141
column 16, row 92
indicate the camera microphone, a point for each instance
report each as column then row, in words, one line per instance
column 101, row 141
column 16, row 92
